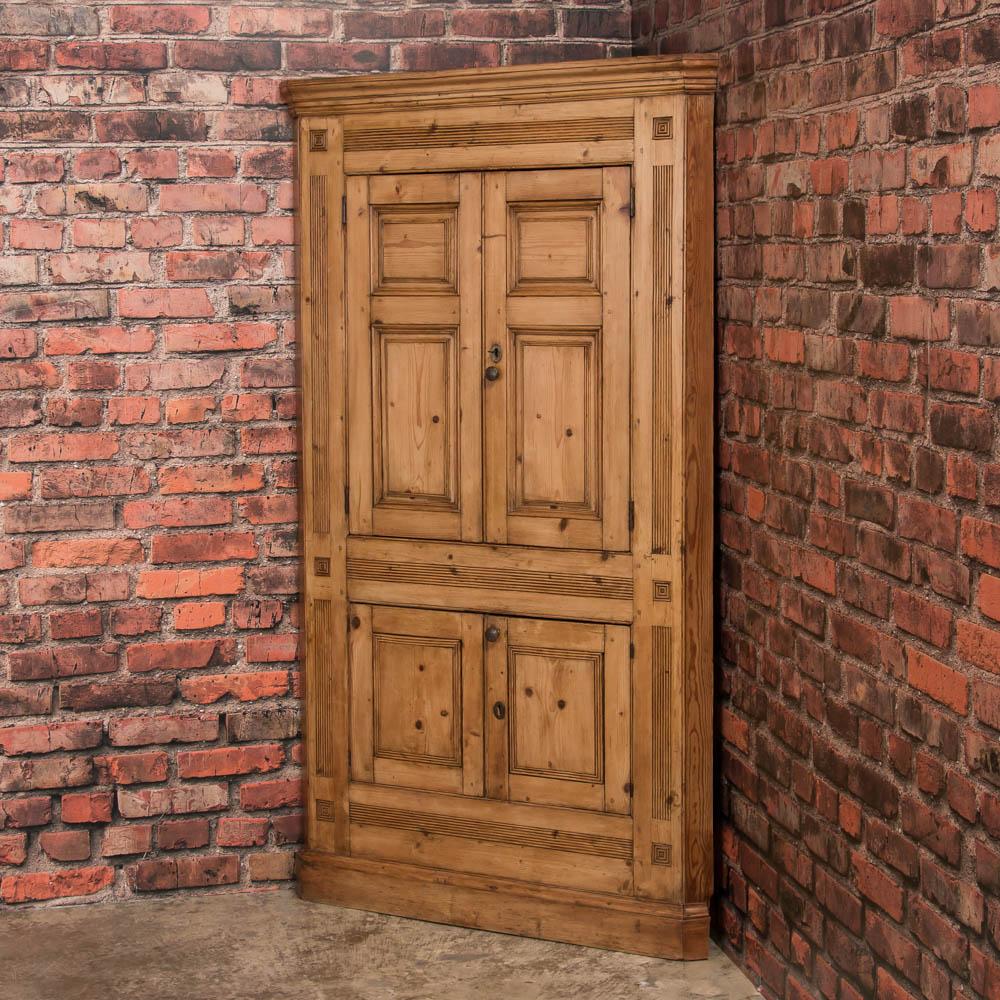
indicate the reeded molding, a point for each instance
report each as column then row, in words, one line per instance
column 571, row 81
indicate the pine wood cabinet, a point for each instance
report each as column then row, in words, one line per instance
column 506, row 329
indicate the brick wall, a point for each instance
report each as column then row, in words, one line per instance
column 148, row 620
column 859, row 371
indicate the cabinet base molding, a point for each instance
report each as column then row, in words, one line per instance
column 660, row 930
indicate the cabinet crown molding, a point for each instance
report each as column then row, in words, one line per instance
column 533, row 84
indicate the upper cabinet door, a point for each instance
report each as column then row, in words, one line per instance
column 414, row 273
column 556, row 357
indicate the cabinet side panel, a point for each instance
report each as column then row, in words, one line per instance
column 698, row 499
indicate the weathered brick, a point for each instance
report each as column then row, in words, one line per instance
column 54, row 885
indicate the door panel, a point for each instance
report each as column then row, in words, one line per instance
column 416, row 412
column 557, row 323
column 417, row 699
column 413, row 319
column 558, row 727
column 554, row 431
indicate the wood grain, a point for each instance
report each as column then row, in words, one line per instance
column 697, row 484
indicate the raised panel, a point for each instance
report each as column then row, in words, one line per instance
column 554, row 248
column 418, row 704
column 415, row 400
column 556, row 713
column 414, row 250
column 555, row 461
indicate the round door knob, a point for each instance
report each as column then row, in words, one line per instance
column 492, row 634
column 492, row 373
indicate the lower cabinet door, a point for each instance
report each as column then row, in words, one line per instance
column 416, row 698
column 558, row 724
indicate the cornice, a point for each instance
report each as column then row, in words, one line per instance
column 641, row 76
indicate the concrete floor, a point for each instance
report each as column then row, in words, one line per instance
column 272, row 946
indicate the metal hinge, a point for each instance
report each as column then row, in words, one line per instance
column 631, row 202
column 343, row 210
column 347, row 499
column 631, row 515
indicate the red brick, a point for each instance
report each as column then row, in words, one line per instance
column 212, row 479
column 55, row 885
column 13, row 848
column 182, row 834
column 915, row 318
column 989, row 596
column 111, row 55
column 274, row 794
column 216, row 869
column 189, row 583
column 271, row 866
column 49, row 737
column 209, row 546
column 136, row 838
column 244, row 687
column 153, row 20
column 199, row 615
column 371, row 57
column 66, row 845
column 164, row 303
column 76, row 624
column 187, row 654
column 161, row 729
column 228, row 761
column 79, row 447
column 87, row 807
column 176, row 513
column 132, row 769
column 927, row 522
column 63, row 661
column 31, row 168
column 981, row 541
column 33, row 811
column 46, row 772
column 177, row 799
column 986, row 703
column 942, row 683
column 135, row 621
column 93, row 551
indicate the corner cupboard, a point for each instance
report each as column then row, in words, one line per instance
column 506, row 333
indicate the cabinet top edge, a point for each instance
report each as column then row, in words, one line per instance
column 638, row 76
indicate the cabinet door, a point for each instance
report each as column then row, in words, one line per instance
column 556, row 336
column 416, row 698
column 414, row 274
column 558, row 713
